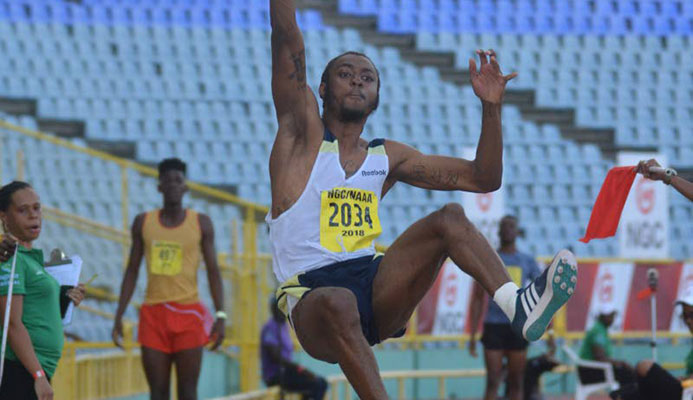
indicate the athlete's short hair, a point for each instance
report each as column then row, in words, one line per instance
column 172, row 164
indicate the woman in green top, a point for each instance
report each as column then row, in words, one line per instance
column 35, row 332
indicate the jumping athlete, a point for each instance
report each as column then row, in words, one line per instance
column 327, row 183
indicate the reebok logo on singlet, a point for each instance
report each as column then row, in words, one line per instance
column 374, row 172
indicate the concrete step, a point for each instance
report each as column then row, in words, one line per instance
column 63, row 128
column 429, row 58
column 542, row 115
column 520, row 98
column 120, row 148
column 385, row 39
column 347, row 21
column 18, row 106
column 454, row 75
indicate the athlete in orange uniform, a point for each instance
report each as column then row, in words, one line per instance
column 174, row 325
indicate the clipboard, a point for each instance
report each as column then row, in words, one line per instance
column 66, row 271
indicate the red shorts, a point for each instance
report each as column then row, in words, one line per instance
column 173, row 327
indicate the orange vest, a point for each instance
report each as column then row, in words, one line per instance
column 173, row 256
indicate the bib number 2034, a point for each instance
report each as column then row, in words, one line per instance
column 348, row 219
column 348, row 216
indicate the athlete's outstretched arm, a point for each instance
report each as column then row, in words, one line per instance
column 289, row 88
column 485, row 172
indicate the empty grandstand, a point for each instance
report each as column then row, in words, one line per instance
column 144, row 80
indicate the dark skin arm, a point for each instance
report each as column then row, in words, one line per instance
column 213, row 277
column 289, row 88
column 484, row 173
column 300, row 128
column 127, row 288
column 20, row 342
column 681, row 185
column 475, row 309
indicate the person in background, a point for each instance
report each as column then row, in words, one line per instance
column 597, row 347
column 174, row 324
column 276, row 349
column 499, row 340
column 654, row 382
column 35, row 333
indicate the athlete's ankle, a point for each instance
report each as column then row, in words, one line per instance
column 506, row 298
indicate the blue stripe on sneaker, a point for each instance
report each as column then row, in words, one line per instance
column 531, row 294
column 529, row 303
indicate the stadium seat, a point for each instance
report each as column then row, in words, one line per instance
column 582, row 391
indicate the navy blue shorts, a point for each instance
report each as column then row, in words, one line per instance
column 356, row 275
column 502, row 337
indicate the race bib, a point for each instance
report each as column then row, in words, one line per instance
column 348, row 219
column 167, row 258
column 515, row 274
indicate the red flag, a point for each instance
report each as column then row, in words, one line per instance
column 607, row 209
column 645, row 293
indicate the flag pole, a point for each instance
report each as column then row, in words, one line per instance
column 652, row 282
column 8, row 305
column 653, row 312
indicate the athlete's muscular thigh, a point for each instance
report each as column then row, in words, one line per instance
column 321, row 317
column 407, row 271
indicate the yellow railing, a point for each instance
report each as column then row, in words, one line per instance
column 339, row 388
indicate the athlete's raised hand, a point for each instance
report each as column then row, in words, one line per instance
column 488, row 82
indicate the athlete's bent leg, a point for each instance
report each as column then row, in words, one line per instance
column 328, row 325
column 412, row 262
column 188, row 365
column 411, row 265
column 157, row 369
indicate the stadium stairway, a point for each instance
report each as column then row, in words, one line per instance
column 367, row 26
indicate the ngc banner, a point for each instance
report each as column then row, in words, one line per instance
column 644, row 228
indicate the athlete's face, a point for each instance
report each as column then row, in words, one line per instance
column 507, row 230
column 172, row 186
column 352, row 92
column 687, row 316
column 23, row 217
